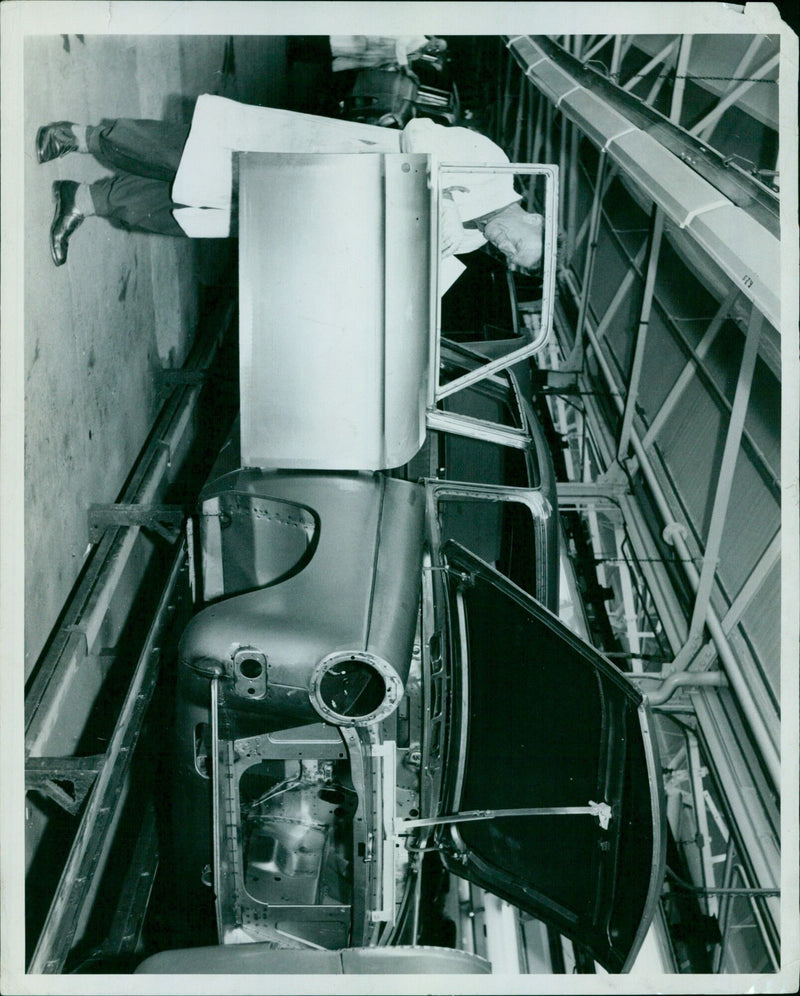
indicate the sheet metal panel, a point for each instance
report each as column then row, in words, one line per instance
column 327, row 309
column 367, row 524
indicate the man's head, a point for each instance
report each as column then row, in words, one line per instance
column 435, row 45
column 518, row 234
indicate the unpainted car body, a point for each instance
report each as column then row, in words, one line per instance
column 375, row 676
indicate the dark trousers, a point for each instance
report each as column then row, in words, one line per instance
column 144, row 156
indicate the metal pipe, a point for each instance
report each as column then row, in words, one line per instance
column 466, row 915
column 610, row 176
column 537, row 136
column 548, row 133
column 658, row 84
column 655, row 89
column 600, row 810
column 506, row 102
column 502, row 939
column 748, row 796
column 579, row 44
column 561, row 420
column 622, row 45
column 632, row 626
column 734, row 890
column 682, row 679
column 659, row 585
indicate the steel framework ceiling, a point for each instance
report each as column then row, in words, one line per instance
column 664, row 384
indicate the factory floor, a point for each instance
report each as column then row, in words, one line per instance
column 125, row 305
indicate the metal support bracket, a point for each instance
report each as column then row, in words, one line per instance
column 591, row 493
column 166, row 520
column 65, row 780
column 465, row 578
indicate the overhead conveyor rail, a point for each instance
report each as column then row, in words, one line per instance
column 745, row 249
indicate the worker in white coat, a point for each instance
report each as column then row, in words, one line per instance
column 172, row 182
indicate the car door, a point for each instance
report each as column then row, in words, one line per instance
column 553, row 797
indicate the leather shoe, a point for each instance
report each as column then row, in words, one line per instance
column 54, row 140
column 65, row 220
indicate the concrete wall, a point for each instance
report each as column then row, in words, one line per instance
column 124, row 305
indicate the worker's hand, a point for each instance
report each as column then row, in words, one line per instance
column 451, row 231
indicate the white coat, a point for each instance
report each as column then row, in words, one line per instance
column 204, row 181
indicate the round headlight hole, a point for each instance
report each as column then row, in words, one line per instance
column 251, row 668
column 352, row 688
